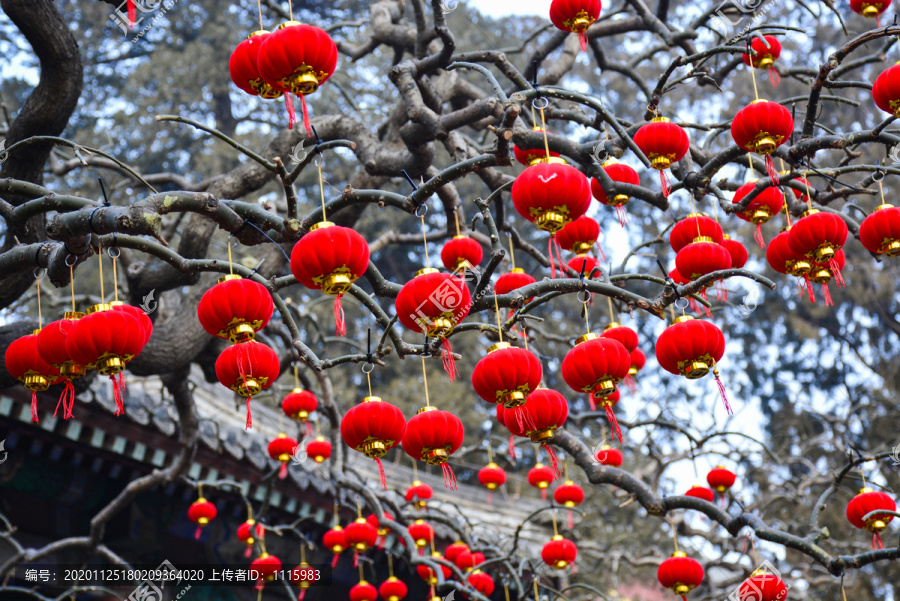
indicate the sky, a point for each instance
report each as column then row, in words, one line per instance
column 503, row 8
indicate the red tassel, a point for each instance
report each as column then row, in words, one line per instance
column 695, row 306
column 812, row 296
column 613, row 422
column 289, row 107
column 356, row 559
column 306, row 123
column 574, row 569
column 381, row 474
column 448, row 360
column 249, row 416
column 282, row 471
column 774, row 77
column 197, row 532
column 490, row 496
column 631, row 384
column 664, row 182
column 132, row 14
column 836, row 272
column 770, row 169
column 721, row 291
column 117, row 393
column 758, row 236
column 602, row 254
column 550, row 254
column 876, row 541
column 248, row 551
column 544, row 494
column 571, row 523
column 827, row 294
column 512, row 448
column 592, row 402
column 582, row 40
column 340, row 327
column 309, row 430
column 722, row 392
column 334, row 559
column 449, row 477
column 301, row 595
column 878, row 21
column 34, row 411
column 622, row 214
column 554, row 461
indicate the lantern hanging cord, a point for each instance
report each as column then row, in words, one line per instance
column 456, row 219
column 489, row 452
column 114, row 258
column 296, row 376
column 321, row 188
column 555, row 531
column 230, row 266
column 38, row 274
column 425, row 381
column 506, row 591
column 674, row 534
column 100, row 257
column 390, row 564
column 512, row 252
column 259, row 8
column 291, row 9
column 536, row 596
column 497, row 313
column 612, row 313
column 752, row 70
column 753, row 548
column 544, row 103
column 424, row 238
column 361, row 577
column 72, row 284
column 712, row 200
column 843, row 593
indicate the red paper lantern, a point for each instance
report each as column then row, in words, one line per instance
column 886, row 89
column 638, row 360
column 51, row 344
column 550, row 195
column 454, row 549
column 575, row 16
column 248, row 533
column 683, row 281
column 568, row 494
column 763, row 207
column 235, row 309
column 583, row 264
column 544, row 411
column 297, row 59
column 540, row 477
column 869, row 9
column 819, row 236
column 700, row 258
column 619, row 173
column 762, row 586
column 515, row 279
column 692, row 227
column 201, row 512
column 360, row 535
column 595, row 366
column 334, row 541
column 720, row 479
column 506, row 375
column 663, row 143
column 680, row 573
column 247, row 369
column 282, row 448
column 393, row 589
column 625, row 335
column 429, row 576
column 491, row 477
column 373, row 519
column 866, row 501
column 142, row 318
column 298, row 404
column 419, row 492
column 691, row 347
column 467, row 560
column 821, row 273
column 303, row 577
column 880, row 231
column 264, row 568
column 421, row 533
column 737, row 251
column 761, row 127
column 784, row 260
column 319, row 449
column 481, row 582
column 461, row 251
column 25, row 363
column 559, row 553
column 244, row 69
column 606, row 455
column 363, row 592
column 432, row 436
column 580, row 235
column 373, row 428
column 330, row 258
column 701, row 492
column 765, row 52
column 532, row 156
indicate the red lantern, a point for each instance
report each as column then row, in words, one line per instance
column 783, row 259
column 467, row 560
column 319, row 449
column 201, row 512
column 579, row 236
column 297, row 59
column 886, row 89
column 690, row 347
column 51, row 344
column 663, row 143
column 583, row 264
column 765, row 53
column 880, row 231
column 737, row 251
column 433, row 303
column 764, row 205
column 865, row 502
column 491, row 477
column 625, row 335
column 575, row 16
column 559, row 553
column 421, row 533
column 429, row 576
column 265, row 567
column 106, row 340
column 247, row 369
column 330, row 258
column 550, row 195
column 540, row 477
column 595, row 366
column 461, row 251
column 720, row 479
column 303, row 577
column 544, row 412
column 142, row 318
column 360, row 535
column 761, row 127
column 619, row 173
column 701, row 492
column 609, row 456
column 393, row 589
column 432, row 436
column 821, row 273
column 419, row 492
column 569, row 494
column 869, row 9
column 515, row 279
column 235, row 309
column 363, row 592
column 373, row 519
column 819, row 236
column 282, row 448
column 683, row 281
column 373, row 428
column 25, row 363
column 506, row 375
column 532, row 156
column 248, row 533
column 244, row 70
column 298, row 404
column 638, row 360
column 702, row 257
column 481, row 582
column 762, row 586
column 692, row 227
column 680, row 573
column 454, row 549
column 335, row 542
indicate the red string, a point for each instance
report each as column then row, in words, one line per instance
column 117, row 393
column 664, row 182
column 613, row 422
column 381, row 474
column 812, row 296
column 770, row 169
column 544, row 494
column 340, row 326
column 554, row 461
column 582, row 40
column 448, row 360
column 334, row 559
column 282, row 471
column 490, row 496
column 356, row 559
column 197, row 532
column 827, row 294
column 592, row 402
column 301, row 595
column 306, row 123
column 249, row 415
column 34, row 411
column 449, row 477
column 67, row 400
column 602, row 254
column 570, row 521
column 550, row 254
column 774, row 76
column 248, row 551
column 631, row 384
column 512, row 448
column 758, row 236
column 876, row 541
column 836, row 271
column 289, row 107
column 132, row 14
column 695, row 306
column 724, row 395
column 721, row 291
column 622, row 214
